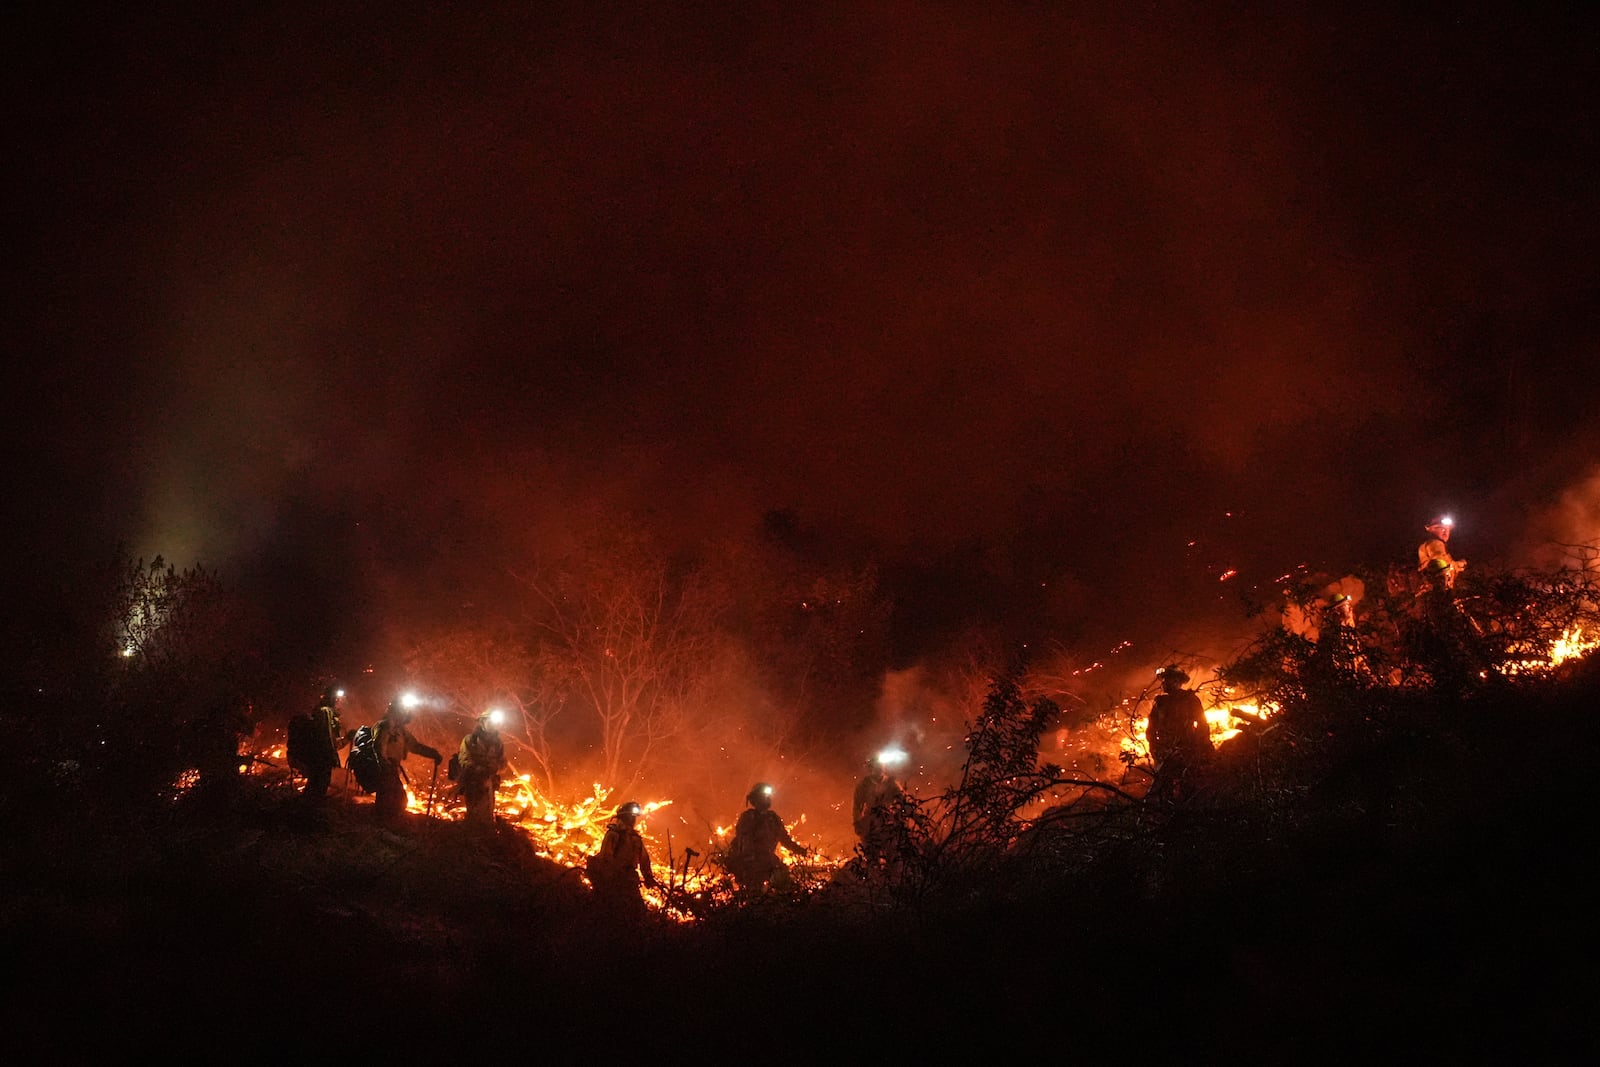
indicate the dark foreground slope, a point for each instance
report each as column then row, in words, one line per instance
column 1431, row 892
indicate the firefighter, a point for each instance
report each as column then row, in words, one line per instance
column 395, row 742
column 752, row 857
column 315, row 745
column 1180, row 740
column 1435, row 602
column 1443, row 637
column 875, row 807
column 1436, row 548
column 1341, row 609
column 481, row 760
column 622, row 864
column 1340, row 643
column 1438, row 575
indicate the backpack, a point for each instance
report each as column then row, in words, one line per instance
column 600, row 867
column 364, row 759
column 453, row 771
column 301, row 742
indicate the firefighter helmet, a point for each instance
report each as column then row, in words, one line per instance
column 760, row 795
column 1174, row 672
column 889, row 757
column 630, row 810
column 1436, row 565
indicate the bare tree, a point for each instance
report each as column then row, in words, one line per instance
column 489, row 665
column 624, row 634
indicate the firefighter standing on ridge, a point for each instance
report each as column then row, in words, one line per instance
column 752, row 857
column 874, row 808
column 395, row 742
column 1442, row 636
column 1436, row 548
column 482, row 758
column 1180, row 740
column 622, row 864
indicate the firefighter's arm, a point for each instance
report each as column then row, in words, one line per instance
column 645, row 872
column 426, row 750
column 790, row 843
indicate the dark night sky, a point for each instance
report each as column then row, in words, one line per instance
column 1013, row 293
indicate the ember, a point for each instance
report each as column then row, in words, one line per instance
column 1574, row 643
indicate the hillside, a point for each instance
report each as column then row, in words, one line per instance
column 1432, row 880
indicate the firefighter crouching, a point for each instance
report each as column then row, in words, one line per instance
column 752, row 856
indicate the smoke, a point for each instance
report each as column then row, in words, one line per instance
column 923, row 302
column 1084, row 324
column 924, row 710
column 1567, row 530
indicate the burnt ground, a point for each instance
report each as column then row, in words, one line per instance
column 1431, row 894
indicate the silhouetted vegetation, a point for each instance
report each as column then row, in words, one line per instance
column 1379, row 840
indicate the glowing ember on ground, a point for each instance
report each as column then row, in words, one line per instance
column 1112, row 749
column 1574, row 643
column 570, row 832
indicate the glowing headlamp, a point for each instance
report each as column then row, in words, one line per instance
column 891, row 756
column 409, row 700
column 495, row 717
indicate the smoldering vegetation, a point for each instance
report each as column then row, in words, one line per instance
column 1400, row 842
